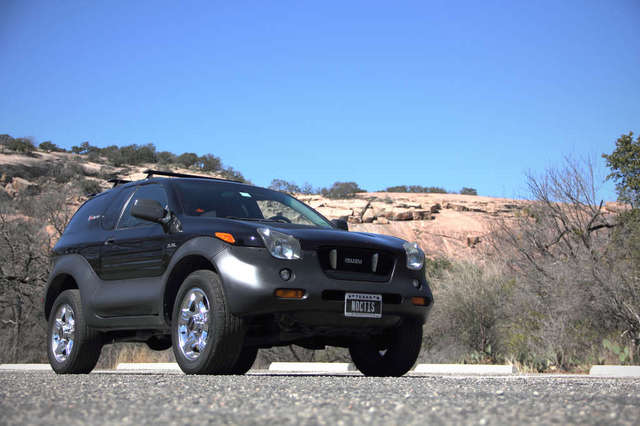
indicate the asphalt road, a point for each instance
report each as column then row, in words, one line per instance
column 167, row 397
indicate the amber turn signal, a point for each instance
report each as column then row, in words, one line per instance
column 289, row 293
column 227, row 238
column 420, row 301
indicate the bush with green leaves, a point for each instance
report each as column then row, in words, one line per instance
column 468, row 191
column 342, row 190
column 23, row 145
column 49, row 146
column 284, row 186
column 89, row 186
column 624, row 163
column 416, row 189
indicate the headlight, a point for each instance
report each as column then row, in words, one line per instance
column 281, row 246
column 415, row 256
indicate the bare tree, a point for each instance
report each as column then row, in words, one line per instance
column 578, row 282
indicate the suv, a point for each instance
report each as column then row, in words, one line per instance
column 217, row 269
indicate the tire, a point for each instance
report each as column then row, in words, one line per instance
column 206, row 337
column 393, row 357
column 245, row 360
column 72, row 346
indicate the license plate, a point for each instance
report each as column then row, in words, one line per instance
column 363, row 305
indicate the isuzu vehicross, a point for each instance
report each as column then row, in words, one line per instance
column 217, row 269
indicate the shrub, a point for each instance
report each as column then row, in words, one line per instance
column 89, row 186
column 469, row 312
column 187, row 159
column 468, row 191
column 342, row 190
column 209, row 163
column 49, row 146
column 284, row 186
column 166, row 157
column 20, row 145
column 416, row 189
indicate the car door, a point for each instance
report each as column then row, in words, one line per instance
column 136, row 248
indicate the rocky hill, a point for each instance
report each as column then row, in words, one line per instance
column 445, row 225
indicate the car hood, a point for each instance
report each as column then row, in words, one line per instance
column 310, row 238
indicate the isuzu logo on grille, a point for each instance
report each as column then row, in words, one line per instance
column 353, row 260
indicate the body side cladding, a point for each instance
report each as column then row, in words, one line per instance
column 196, row 252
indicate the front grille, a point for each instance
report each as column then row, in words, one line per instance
column 356, row 264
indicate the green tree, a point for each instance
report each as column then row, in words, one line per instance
column 624, row 163
column 209, row 163
column 50, row 147
column 284, row 186
column 342, row 190
column 166, row 157
column 187, row 159
column 21, row 145
column 468, row 191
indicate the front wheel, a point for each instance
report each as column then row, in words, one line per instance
column 245, row 360
column 392, row 356
column 207, row 338
column 73, row 347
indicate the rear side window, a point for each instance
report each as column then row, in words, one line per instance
column 112, row 213
column 148, row 192
column 89, row 214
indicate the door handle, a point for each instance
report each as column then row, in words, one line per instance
column 109, row 242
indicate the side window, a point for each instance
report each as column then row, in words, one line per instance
column 147, row 192
column 112, row 213
column 89, row 213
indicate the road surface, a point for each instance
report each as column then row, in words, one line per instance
column 116, row 397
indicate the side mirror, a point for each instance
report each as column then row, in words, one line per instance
column 340, row 224
column 150, row 210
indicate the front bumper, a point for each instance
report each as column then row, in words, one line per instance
column 250, row 277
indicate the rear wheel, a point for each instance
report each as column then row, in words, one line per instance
column 73, row 347
column 391, row 356
column 207, row 338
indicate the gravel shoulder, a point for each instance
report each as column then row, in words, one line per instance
column 168, row 398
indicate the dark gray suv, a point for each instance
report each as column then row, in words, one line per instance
column 218, row 269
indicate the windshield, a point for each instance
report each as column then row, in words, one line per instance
column 232, row 201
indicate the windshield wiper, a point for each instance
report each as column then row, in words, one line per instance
column 253, row 219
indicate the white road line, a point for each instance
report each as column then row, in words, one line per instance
column 143, row 366
column 465, row 369
column 615, row 371
column 312, row 367
column 25, row 367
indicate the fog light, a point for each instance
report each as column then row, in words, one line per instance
column 419, row 301
column 416, row 283
column 290, row 293
column 285, row 274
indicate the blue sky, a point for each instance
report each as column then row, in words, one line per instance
column 443, row 93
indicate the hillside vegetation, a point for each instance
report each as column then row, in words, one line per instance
column 551, row 283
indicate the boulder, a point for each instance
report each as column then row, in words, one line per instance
column 368, row 216
column 408, row 205
column 20, row 184
column 434, row 208
column 381, row 221
column 402, row 215
column 421, row 215
column 335, row 213
column 456, row 207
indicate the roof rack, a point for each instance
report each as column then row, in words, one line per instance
column 150, row 173
column 117, row 182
